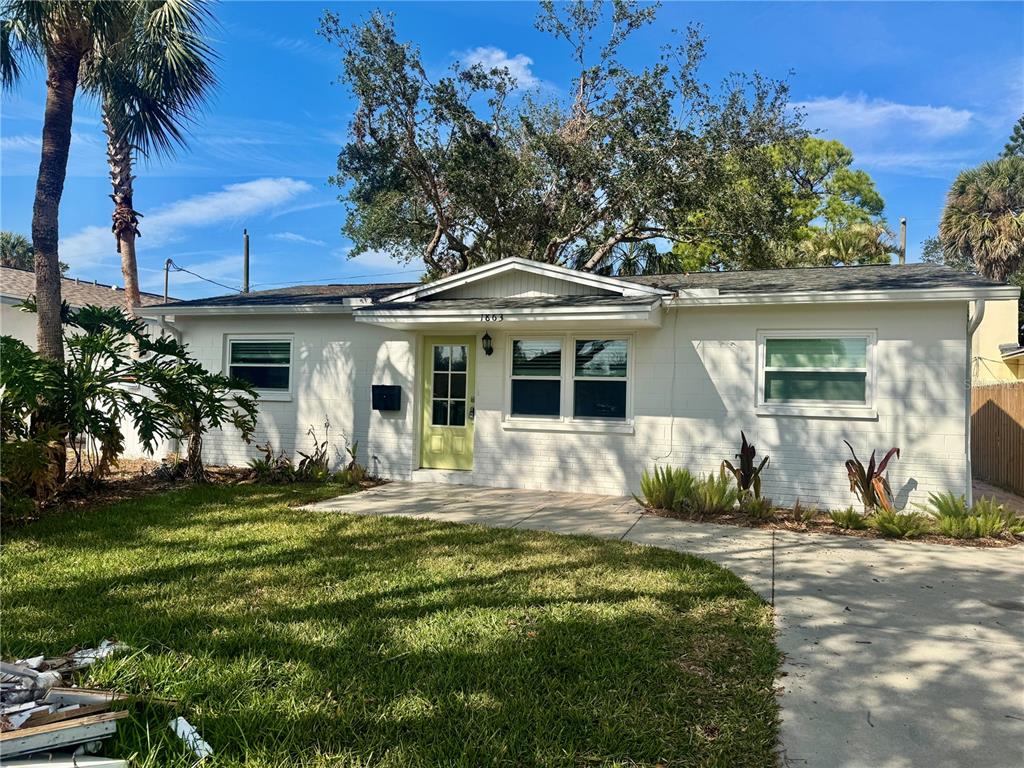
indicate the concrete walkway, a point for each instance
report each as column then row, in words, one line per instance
column 897, row 654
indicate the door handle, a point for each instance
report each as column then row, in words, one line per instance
column 472, row 414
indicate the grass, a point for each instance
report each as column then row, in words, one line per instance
column 291, row 637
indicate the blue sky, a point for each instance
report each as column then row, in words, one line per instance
column 917, row 90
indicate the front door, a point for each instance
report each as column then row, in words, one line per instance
column 448, row 400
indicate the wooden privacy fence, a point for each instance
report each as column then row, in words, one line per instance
column 997, row 435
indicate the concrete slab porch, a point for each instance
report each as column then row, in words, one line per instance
column 897, row 654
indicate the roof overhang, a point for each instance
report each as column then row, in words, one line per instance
column 170, row 311
column 819, row 297
column 414, row 317
column 487, row 271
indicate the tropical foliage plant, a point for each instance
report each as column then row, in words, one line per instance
column 849, row 519
column 714, row 495
column 899, row 525
column 757, row 507
column 986, row 518
column 668, row 488
column 869, row 483
column 748, row 477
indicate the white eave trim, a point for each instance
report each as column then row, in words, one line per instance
column 420, row 314
column 816, row 297
column 611, row 284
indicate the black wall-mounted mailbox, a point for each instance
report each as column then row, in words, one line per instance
column 386, row 397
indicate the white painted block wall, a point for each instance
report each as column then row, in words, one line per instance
column 693, row 393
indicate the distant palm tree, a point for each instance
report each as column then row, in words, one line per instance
column 16, row 251
column 983, row 220
column 858, row 243
column 150, row 86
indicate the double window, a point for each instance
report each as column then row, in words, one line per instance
column 802, row 371
column 581, row 378
column 264, row 363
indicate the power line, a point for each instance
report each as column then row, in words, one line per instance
column 176, row 268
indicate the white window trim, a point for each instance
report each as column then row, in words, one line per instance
column 819, row 408
column 566, row 422
column 265, row 394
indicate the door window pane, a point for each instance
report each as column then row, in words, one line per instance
column 458, row 386
column 458, row 413
column 442, row 357
column 536, row 397
column 601, row 358
column 440, row 385
column 458, row 357
column 593, row 398
column 440, row 415
column 788, row 386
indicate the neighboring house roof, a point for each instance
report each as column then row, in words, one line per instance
column 862, row 283
column 1011, row 351
column 21, row 283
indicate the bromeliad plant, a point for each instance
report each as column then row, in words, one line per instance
column 869, row 483
column 748, row 477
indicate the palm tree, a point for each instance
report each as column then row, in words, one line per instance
column 983, row 221
column 63, row 34
column 16, row 251
column 152, row 83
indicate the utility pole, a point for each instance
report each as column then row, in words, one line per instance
column 245, row 261
column 167, row 274
column 903, row 239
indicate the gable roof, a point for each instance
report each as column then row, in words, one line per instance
column 21, row 283
column 300, row 295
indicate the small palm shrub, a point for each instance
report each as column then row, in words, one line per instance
column 757, row 507
column 714, row 495
column 849, row 519
column 986, row 519
column 899, row 525
column 669, row 488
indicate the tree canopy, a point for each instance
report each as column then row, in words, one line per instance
column 466, row 168
column 1015, row 146
column 16, row 251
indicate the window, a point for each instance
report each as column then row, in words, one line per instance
column 801, row 370
column 599, row 379
column 264, row 363
column 449, row 406
column 536, row 377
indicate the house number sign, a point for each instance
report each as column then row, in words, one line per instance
column 491, row 318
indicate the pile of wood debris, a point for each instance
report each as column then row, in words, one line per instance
column 45, row 717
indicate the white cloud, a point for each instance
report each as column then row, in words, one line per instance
column 844, row 115
column 294, row 237
column 495, row 58
column 94, row 244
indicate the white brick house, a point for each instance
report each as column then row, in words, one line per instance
column 588, row 380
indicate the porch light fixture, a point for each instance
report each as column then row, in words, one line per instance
column 488, row 344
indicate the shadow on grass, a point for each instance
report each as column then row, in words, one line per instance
column 295, row 637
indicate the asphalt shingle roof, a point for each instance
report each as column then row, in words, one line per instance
column 21, row 283
column 863, row 278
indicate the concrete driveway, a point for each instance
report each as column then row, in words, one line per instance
column 897, row 654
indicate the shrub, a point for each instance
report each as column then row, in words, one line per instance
column 985, row 519
column 748, row 477
column 802, row 514
column 315, row 466
column 869, row 483
column 354, row 473
column 669, row 488
column 757, row 507
column 714, row 495
column 273, row 467
column 899, row 525
column 849, row 519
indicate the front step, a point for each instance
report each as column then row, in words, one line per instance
column 444, row 476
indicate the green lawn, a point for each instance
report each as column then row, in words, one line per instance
column 290, row 637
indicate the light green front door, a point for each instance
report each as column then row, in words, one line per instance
column 448, row 402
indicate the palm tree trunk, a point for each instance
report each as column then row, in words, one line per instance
column 61, row 83
column 125, row 218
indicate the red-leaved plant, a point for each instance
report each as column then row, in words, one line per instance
column 869, row 483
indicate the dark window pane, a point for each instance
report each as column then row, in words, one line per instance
column 599, row 399
column 458, row 353
column 458, row 412
column 536, row 397
column 541, row 357
column 440, row 416
column 440, row 385
column 787, row 386
column 243, row 352
column 442, row 358
column 260, row 377
column 458, row 385
column 816, row 353
column 601, row 358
